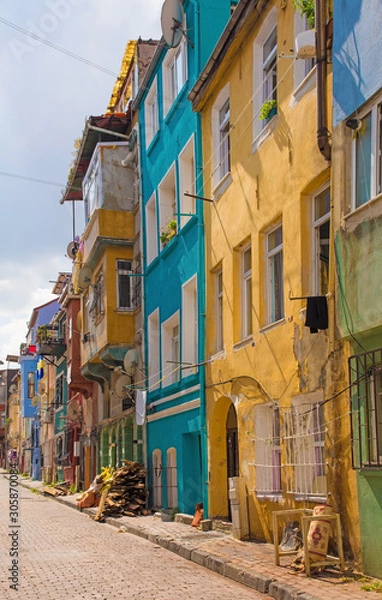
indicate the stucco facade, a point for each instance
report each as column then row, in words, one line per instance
column 271, row 383
column 358, row 217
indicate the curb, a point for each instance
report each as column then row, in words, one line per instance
column 222, row 566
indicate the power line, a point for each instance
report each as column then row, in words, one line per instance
column 31, row 179
column 58, row 48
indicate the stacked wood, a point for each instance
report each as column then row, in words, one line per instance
column 126, row 494
column 59, row 489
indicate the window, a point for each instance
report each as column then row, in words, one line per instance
column 189, row 325
column 91, row 187
column 153, row 342
column 170, row 350
column 124, row 285
column 151, row 113
column 221, row 136
column 365, row 372
column 59, row 391
column 302, row 67
column 187, row 181
column 275, row 275
column 31, row 384
column 367, row 157
column 265, row 69
column 167, row 204
column 306, row 432
column 157, row 477
column 321, row 233
column 96, row 306
column 267, row 449
column 172, row 479
column 219, row 339
column 174, row 74
column 70, row 328
column 246, row 272
column 151, row 230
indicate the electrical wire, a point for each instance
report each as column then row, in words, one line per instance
column 73, row 55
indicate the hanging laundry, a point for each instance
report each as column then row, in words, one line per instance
column 316, row 313
column 140, row 407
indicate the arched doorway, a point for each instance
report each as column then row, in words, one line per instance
column 232, row 443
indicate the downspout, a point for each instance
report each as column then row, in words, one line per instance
column 201, row 278
column 323, row 136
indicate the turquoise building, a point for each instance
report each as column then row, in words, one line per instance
column 173, row 248
column 357, row 190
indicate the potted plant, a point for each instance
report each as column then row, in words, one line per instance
column 168, row 232
column 306, row 8
column 268, row 110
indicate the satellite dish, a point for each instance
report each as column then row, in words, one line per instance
column 84, row 278
column 130, row 362
column 13, row 388
column 35, row 400
column 71, row 250
column 73, row 410
column 121, row 383
column 171, row 21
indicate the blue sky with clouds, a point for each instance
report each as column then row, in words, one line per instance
column 45, row 98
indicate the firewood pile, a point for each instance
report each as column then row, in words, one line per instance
column 59, row 489
column 126, row 493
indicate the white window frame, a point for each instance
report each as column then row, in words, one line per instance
column 267, row 449
column 317, row 223
column 121, row 273
column 302, row 68
column 308, row 446
column 271, row 290
column 219, row 324
column 92, row 186
column 375, row 174
column 151, row 113
column 270, row 23
column 246, row 293
column 221, row 168
column 154, row 350
column 151, row 229
column 174, row 74
column 190, row 324
column 172, row 478
column 171, row 350
column 187, row 181
column 167, row 198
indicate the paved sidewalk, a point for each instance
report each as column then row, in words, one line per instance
column 250, row 563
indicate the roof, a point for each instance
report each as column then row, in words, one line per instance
column 116, row 123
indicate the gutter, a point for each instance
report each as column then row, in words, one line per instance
column 323, row 135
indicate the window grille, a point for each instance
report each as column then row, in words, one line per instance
column 365, row 374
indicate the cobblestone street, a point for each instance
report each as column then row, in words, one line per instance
column 65, row 554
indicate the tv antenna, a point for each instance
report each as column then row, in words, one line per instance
column 172, row 18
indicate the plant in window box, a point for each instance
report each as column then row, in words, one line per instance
column 268, row 110
column 168, row 232
column 42, row 334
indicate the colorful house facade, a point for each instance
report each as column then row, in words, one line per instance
column 173, row 241
column 276, row 401
column 357, row 97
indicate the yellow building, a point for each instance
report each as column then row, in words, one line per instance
column 273, row 417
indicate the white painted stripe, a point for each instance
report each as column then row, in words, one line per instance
column 181, row 408
column 194, row 388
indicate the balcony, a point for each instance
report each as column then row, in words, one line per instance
column 49, row 342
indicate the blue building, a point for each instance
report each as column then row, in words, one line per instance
column 30, row 411
column 173, row 239
column 357, row 190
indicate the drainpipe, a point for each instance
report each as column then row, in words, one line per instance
column 323, row 140
column 201, row 270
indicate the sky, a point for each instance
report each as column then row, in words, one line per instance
column 45, row 98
